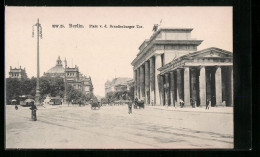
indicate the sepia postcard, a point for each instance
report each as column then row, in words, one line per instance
column 119, row 78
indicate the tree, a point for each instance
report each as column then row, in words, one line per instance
column 13, row 89
column 56, row 86
column 44, row 87
column 74, row 95
column 119, row 95
column 53, row 86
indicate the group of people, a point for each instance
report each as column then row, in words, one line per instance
column 181, row 103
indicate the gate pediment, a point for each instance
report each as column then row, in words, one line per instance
column 211, row 52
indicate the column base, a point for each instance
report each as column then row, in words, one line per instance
column 187, row 106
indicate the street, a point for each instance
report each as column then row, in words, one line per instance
column 111, row 127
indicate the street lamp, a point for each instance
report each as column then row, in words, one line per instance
column 39, row 34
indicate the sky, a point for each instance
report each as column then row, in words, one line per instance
column 103, row 53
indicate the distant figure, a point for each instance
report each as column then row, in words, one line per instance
column 33, row 108
column 136, row 100
column 16, row 107
column 208, row 103
column 152, row 103
column 129, row 107
column 181, row 103
column 192, row 102
column 80, row 103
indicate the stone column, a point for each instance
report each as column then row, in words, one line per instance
column 186, row 86
column 161, row 90
column 142, row 81
column 172, row 87
column 135, row 85
column 232, row 92
column 179, row 86
column 208, row 85
column 138, row 83
column 202, row 81
column 152, row 80
column 166, row 89
column 158, row 64
column 147, row 82
column 218, row 87
column 193, row 84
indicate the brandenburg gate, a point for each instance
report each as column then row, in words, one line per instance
column 169, row 69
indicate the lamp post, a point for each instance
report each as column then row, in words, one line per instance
column 39, row 34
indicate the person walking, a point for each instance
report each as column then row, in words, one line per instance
column 208, row 103
column 181, row 103
column 33, row 108
column 136, row 101
column 130, row 108
column 192, row 102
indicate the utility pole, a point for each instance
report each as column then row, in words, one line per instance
column 39, row 34
column 65, row 82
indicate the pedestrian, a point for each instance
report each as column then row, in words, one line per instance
column 130, row 108
column 152, row 103
column 208, row 103
column 79, row 103
column 181, row 103
column 33, row 108
column 192, row 102
column 136, row 101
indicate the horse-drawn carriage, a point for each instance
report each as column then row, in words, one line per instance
column 95, row 105
column 139, row 104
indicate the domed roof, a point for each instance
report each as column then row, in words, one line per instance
column 58, row 68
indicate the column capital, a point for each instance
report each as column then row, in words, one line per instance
column 202, row 66
column 186, row 67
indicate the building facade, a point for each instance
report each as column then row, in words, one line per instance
column 169, row 69
column 130, row 84
column 73, row 76
column 116, row 85
column 18, row 73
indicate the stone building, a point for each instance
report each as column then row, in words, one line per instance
column 116, row 85
column 87, row 83
column 130, row 83
column 168, row 68
column 18, row 73
column 73, row 76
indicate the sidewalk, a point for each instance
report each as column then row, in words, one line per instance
column 224, row 110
